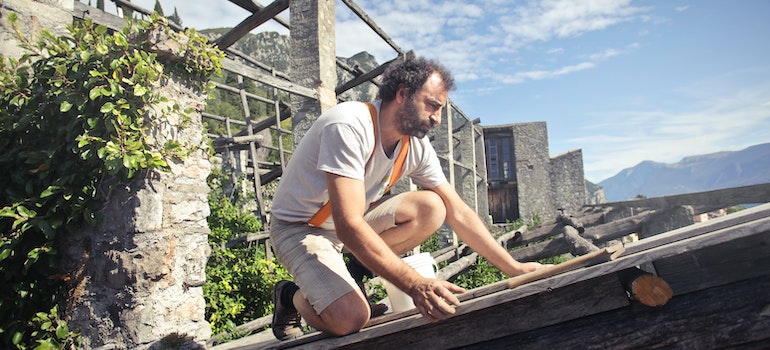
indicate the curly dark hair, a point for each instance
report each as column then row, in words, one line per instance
column 412, row 73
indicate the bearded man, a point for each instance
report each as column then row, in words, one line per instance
column 332, row 196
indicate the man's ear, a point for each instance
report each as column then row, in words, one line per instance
column 401, row 94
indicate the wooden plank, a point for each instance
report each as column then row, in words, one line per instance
column 626, row 260
column 712, row 199
column 743, row 216
column 731, row 316
column 736, row 260
column 595, row 257
column 578, row 300
column 494, row 300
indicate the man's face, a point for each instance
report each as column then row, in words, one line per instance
column 421, row 111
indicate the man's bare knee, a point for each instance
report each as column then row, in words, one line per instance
column 346, row 315
column 424, row 207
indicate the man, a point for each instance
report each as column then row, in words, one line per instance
column 346, row 159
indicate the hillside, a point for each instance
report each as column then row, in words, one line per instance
column 692, row 174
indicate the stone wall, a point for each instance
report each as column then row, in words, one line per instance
column 136, row 277
column 533, row 172
column 567, row 177
column 541, row 185
column 139, row 273
column 52, row 15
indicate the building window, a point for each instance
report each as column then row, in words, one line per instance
column 499, row 163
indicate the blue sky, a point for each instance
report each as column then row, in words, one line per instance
column 625, row 81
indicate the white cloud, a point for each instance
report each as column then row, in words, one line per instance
column 549, row 19
column 713, row 121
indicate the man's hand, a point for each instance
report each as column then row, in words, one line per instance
column 435, row 299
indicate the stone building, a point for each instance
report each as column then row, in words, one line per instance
column 523, row 180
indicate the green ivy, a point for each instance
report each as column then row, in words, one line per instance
column 73, row 117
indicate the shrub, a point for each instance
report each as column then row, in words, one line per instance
column 240, row 280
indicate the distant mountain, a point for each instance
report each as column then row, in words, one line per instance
column 692, row 174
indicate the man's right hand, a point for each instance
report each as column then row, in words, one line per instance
column 435, row 299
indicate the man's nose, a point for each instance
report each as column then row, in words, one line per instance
column 435, row 118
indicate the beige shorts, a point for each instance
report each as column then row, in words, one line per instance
column 314, row 255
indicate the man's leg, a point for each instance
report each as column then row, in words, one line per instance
column 345, row 315
column 313, row 256
column 418, row 215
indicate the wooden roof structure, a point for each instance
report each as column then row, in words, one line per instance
column 718, row 272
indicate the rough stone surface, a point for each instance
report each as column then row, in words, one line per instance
column 313, row 61
column 541, row 185
column 137, row 276
column 569, row 191
column 33, row 16
column 532, row 167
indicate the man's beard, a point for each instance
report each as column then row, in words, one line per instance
column 409, row 122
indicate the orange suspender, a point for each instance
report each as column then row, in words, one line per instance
column 322, row 214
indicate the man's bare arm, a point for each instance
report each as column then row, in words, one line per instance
column 474, row 232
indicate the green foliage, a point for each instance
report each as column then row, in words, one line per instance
column 555, row 260
column 432, row 244
column 239, row 281
column 51, row 332
column 72, row 125
column 481, row 274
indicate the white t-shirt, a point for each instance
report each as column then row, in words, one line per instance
column 341, row 142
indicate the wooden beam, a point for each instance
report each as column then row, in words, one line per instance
column 242, row 55
column 646, row 288
column 718, row 224
column 109, row 20
column 711, row 199
column 735, row 260
column 373, row 25
column 367, row 76
column 618, row 228
column 252, row 73
column 592, row 258
column 253, row 21
column 732, row 316
column 254, row 7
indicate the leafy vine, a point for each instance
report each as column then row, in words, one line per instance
column 74, row 112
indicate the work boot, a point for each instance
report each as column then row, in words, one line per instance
column 287, row 322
